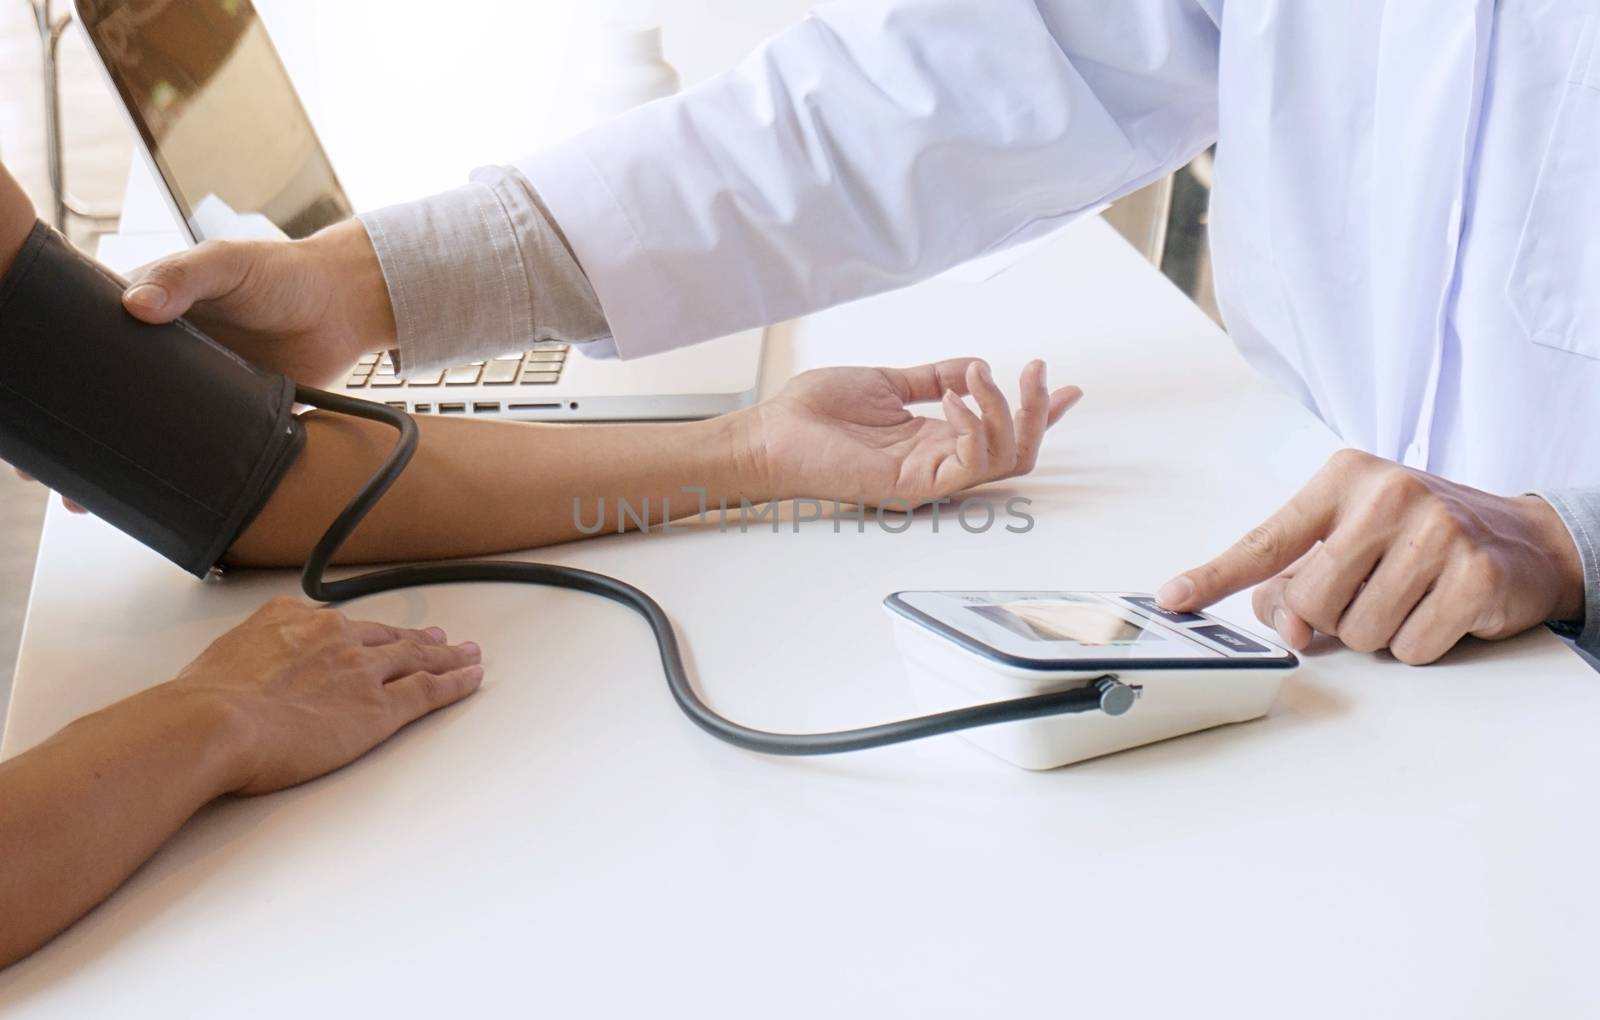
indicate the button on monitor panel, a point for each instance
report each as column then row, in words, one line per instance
column 1148, row 604
column 1230, row 639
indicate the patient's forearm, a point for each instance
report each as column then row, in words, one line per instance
column 84, row 809
column 478, row 487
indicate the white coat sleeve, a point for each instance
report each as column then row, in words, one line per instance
column 875, row 144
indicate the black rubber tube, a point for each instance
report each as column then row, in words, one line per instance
column 317, row 586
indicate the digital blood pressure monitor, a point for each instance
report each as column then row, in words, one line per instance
column 1190, row 671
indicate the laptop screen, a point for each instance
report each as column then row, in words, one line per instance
column 217, row 113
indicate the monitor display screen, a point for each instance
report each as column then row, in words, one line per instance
column 1059, row 620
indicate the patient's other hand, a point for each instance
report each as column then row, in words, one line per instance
column 308, row 690
column 846, row 433
column 309, row 309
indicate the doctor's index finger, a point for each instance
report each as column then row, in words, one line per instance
column 1262, row 553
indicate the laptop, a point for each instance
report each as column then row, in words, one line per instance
column 237, row 157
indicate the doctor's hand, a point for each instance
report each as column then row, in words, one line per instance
column 309, row 309
column 1381, row 556
column 846, row 433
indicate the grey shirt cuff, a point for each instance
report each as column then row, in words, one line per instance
column 1580, row 512
column 479, row 271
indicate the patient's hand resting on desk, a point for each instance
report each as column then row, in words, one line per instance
column 289, row 695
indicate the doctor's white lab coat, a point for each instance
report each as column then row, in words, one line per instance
column 1406, row 223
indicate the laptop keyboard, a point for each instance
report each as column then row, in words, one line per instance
column 375, row 376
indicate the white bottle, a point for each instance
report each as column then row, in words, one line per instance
column 628, row 69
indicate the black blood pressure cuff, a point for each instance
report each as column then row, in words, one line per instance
column 158, row 430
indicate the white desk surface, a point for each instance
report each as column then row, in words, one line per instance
column 1387, row 842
